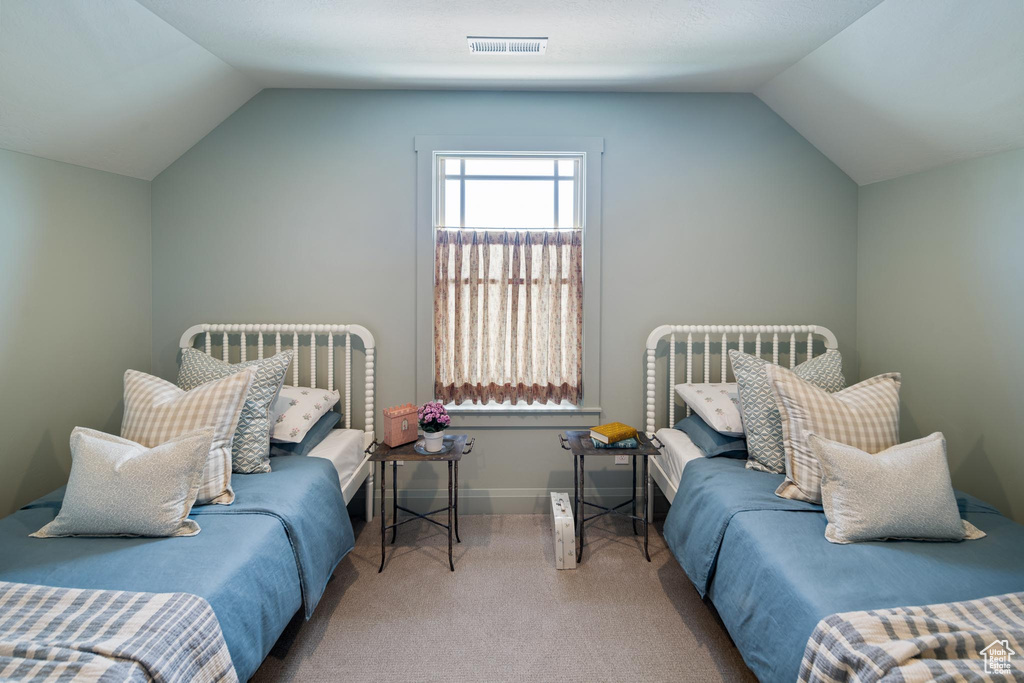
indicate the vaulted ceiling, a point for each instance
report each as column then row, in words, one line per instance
column 882, row 88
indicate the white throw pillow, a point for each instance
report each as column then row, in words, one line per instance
column 717, row 404
column 297, row 409
column 120, row 488
column 901, row 492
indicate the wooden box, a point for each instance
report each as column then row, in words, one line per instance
column 401, row 425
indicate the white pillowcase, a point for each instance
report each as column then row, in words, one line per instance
column 120, row 488
column 717, row 404
column 297, row 409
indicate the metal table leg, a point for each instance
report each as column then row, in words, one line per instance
column 582, row 512
column 451, row 564
column 646, row 505
column 394, row 501
column 457, row 539
column 633, row 497
column 383, row 530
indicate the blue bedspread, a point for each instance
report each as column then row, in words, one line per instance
column 765, row 564
column 257, row 562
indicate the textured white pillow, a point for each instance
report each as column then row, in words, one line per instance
column 902, row 492
column 120, row 488
column 297, row 409
column 717, row 404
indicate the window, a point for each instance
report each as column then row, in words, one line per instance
column 508, row 278
column 508, row 192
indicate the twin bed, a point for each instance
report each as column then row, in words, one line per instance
column 763, row 561
column 258, row 561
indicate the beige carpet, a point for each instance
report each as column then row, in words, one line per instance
column 506, row 613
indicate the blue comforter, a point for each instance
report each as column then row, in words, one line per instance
column 257, row 561
column 764, row 563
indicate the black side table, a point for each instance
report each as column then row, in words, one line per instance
column 384, row 454
column 581, row 445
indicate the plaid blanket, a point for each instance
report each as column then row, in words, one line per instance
column 975, row 640
column 49, row 633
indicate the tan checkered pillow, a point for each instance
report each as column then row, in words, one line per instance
column 156, row 411
column 865, row 416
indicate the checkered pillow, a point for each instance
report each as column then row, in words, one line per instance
column 250, row 450
column 156, row 411
column 865, row 416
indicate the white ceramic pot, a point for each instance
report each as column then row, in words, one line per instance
column 433, row 442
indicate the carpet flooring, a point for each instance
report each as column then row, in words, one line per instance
column 506, row 614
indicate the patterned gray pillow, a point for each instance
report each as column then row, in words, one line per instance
column 761, row 419
column 250, row 450
column 902, row 492
column 120, row 488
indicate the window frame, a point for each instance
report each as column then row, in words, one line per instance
column 441, row 177
column 428, row 148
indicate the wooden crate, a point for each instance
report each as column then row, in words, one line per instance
column 400, row 425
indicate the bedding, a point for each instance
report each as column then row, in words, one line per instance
column 49, row 633
column 679, row 449
column 718, row 405
column 764, row 563
column 344, row 449
column 711, row 442
column 902, row 492
column 119, row 488
column 314, row 436
column 934, row 642
column 250, row 447
column 866, row 416
column 761, row 420
column 156, row 411
column 256, row 562
column 297, row 409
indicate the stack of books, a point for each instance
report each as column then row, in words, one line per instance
column 614, row 435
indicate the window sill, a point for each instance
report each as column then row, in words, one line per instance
column 535, row 417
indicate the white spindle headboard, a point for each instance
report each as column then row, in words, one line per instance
column 319, row 336
column 721, row 334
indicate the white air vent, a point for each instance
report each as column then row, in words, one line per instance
column 486, row 45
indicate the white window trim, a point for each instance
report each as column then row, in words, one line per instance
column 426, row 147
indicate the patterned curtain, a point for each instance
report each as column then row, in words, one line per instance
column 508, row 316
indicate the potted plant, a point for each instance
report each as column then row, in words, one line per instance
column 434, row 420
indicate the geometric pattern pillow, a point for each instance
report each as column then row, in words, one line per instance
column 865, row 416
column 761, row 420
column 156, row 411
column 250, row 450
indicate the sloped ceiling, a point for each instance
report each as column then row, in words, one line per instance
column 911, row 85
column 108, row 85
column 663, row 45
column 882, row 89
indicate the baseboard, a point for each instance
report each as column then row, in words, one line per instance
column 497, row 501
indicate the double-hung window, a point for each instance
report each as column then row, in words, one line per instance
column 508, row 277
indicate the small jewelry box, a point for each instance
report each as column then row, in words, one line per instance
column 401, row 425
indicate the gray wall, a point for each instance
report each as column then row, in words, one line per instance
column 301, row 207
column 75, row 283
column 938, row 298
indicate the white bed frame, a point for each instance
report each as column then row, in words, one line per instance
column 320, row 336
column 720, row 334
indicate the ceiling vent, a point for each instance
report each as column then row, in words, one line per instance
column 487, row 45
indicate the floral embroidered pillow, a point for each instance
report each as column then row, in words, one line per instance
column 717, row 404
column 297, row 409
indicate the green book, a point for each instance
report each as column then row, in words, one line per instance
column 625, row 443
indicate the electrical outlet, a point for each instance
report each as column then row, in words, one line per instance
column 621, row 459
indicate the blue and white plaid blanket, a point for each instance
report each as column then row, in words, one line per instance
column 51, row 634
column 974, row 640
